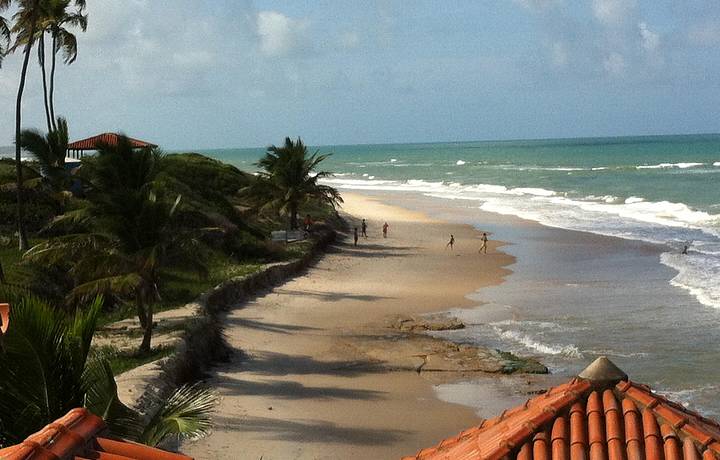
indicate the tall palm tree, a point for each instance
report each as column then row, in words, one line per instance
column 47, row 368
column 289, row 178
column 27, row 22
column 129, row 233
column 57, row 19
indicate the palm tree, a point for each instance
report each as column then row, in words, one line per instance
column 129, row 233
column 4, row 30
column 27, row 22
column 47, row 368
column 289, row 179
column 57, row 18
column 49, row 151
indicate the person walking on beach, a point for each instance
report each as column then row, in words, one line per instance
column 385, row 229
column 355, row 236
column 451, row 242
column 483, row 246
column 364, row 228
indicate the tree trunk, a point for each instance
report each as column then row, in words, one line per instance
column 293, row 216
column 147, row 336
column 52, row 81
column 140, row 308
column 41, row 56
column 22, row 233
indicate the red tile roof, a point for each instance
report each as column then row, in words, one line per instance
column 92, row 143
column 78, row 436
column 4, row 318
column 588, row 419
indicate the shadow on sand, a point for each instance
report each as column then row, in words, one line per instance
column 268, row 327
column 331, row 296
column 311, row 431
column 270, row 363
column 294, row 390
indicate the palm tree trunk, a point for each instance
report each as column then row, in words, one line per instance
column 140, row 308
column 293, row 216
column 41, row 55
column 147, row 336
column 22, row 233
column 52, row 81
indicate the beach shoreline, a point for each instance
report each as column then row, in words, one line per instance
column 323, row 374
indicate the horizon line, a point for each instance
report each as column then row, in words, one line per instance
column 461, row 141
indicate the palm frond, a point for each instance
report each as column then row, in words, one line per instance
column 185, row 415
column 102, row 400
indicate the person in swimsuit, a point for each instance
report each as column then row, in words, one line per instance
column 483, row 246
column 385, row 229
column 364, row 228
column 451, row 242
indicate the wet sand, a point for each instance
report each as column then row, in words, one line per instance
column 320, row 375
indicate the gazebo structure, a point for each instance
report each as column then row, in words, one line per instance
column 76, row 149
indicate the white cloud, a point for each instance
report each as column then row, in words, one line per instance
column 280, row 34
column 615, row 64
column 650, row 40
column 613, row 12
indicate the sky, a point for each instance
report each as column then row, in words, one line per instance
column 195, row 74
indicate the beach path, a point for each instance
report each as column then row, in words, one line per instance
column 314, row 377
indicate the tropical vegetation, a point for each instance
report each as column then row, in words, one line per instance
column 130, row 230
column 47, row 367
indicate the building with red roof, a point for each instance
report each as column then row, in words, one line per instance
column 76, row 149
column 599, row 415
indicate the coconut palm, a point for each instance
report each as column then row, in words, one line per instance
column 57, row 17
column 289, row 178
column 128, row 233
column 27, row 22
column 4, row 30
column 47, row 368
column 49, row 152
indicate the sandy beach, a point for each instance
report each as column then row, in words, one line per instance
column 320, row 374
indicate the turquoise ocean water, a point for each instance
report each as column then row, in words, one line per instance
column 660, row 189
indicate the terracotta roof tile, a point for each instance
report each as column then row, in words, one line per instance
column 589, row 420
column 78, row 436
column 4, row 317
column 92, row 143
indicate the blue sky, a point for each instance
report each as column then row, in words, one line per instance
column 226, row 73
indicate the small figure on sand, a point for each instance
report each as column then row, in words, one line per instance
column 451, row 243
column 363, row 226
column 355, row 236
column 308, row 223
column 685, row 249
column 483, row 246
column 385, row 229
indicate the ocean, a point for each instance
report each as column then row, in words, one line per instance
column 604, row 273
